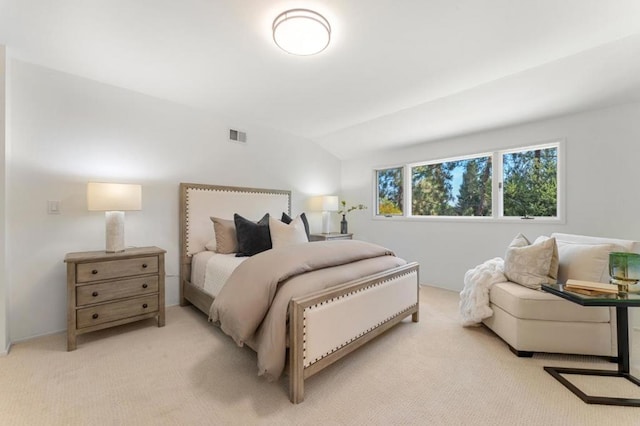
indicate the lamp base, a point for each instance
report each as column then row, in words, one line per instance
column 326, row 222
column 115, row 231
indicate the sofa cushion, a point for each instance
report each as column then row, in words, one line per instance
column 530, row 264
column 586, row 262
column 622, row 245
column 525, row 303
column 587, row 258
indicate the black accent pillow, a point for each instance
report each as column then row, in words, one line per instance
column 253, row 237
column 286, row 219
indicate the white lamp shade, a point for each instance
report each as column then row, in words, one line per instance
column 113, row 196
column 301, row 32
column 323, row 203
column 330, row 203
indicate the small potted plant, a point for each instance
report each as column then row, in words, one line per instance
column 344, row 211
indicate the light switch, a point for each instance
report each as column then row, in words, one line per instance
column 53, row 207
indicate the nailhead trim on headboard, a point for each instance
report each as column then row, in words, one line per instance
column 190, row 188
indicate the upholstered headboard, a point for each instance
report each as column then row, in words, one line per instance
column 199, row 202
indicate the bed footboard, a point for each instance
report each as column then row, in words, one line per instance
column 328, row 325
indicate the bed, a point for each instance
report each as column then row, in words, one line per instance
column 323, row 325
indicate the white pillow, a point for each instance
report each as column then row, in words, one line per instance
column 586, row 262
column 529, row 264
column 211, row 245
column 283, row 235
column 555, row 259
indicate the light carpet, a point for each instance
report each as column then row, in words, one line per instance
column 434, row 372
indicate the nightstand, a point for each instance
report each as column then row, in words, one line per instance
column 109, row 289
column 330, row 236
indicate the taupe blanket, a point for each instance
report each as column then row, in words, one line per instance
column 252, row 306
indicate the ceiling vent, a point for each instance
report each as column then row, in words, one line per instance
column 237, row 136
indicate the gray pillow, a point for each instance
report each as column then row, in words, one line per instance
column 253, row 237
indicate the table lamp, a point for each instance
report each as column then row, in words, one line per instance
column 624, row 270
column 325, row 204
column 329, row 204
column 114, row 199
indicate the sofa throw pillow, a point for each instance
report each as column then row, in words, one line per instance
column 555, row 259
column 585, row 262
column 529, row 264
column 225, row 232
column 283, row 234
column 253, row 237
column 286, row 219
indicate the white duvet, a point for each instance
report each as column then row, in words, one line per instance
column 210, row 271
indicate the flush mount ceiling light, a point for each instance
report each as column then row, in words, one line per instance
column 301, row 32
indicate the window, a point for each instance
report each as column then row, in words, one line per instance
column 390, row 191
column 452, row 188
column 518, row 183
column 530, row 182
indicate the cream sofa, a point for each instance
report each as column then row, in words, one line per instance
column 535, row 321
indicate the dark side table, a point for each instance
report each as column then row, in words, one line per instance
column 621, row 303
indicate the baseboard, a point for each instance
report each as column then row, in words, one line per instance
column 7, row 349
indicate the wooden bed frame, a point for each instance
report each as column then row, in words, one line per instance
column 323, row 326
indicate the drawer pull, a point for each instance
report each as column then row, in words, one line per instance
column 144, row 285
column 94, row 316
column 144, row 305
column 144, row 265
column 94, row 294
column 95, row 271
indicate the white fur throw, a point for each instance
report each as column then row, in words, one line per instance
column 474, row 298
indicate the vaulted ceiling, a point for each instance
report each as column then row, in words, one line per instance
column 395, row 73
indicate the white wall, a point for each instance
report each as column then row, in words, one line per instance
column 4, row 331
column 67, row 131
column 602, row 165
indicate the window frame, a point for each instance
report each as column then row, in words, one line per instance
column 559, row 182
column 496, row 187
column 376, row 194
column 409, row 173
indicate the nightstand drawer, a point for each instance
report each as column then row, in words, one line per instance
column 108, row 312
column 98, row 271
column 103, row 292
